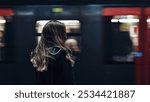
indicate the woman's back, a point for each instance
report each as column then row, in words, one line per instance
column 59, row 70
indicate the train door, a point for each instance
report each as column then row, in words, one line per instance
column 5, row 29
column 123, row 48
column 6, row 46
column 145, row 70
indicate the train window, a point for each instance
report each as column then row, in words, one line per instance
column 2, row 42
column 121, row 38
column 72, row 29
column 72, row 26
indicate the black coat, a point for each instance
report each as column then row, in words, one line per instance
column 59, row 70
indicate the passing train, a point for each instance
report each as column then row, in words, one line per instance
column 113, row 42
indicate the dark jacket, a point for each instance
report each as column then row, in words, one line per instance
column 59, row 70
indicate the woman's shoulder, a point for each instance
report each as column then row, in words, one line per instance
column 57, row 51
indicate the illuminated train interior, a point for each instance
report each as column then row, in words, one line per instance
column 111, row 44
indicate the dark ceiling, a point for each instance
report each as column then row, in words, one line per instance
column 48, row 2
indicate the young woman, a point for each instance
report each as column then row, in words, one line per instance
column 51, row 58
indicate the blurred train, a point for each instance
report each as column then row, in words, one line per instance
column 111, row 43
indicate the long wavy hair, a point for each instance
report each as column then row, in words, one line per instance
column 53, row 35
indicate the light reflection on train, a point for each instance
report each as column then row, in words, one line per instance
column 109, row 42
column 2, row 44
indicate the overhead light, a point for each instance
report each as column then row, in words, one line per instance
column 2, row 21
column 114, row 20
column 42, row 22
column 128, row 20
column 66, row 22
column 130, row 16
column 148, row 20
